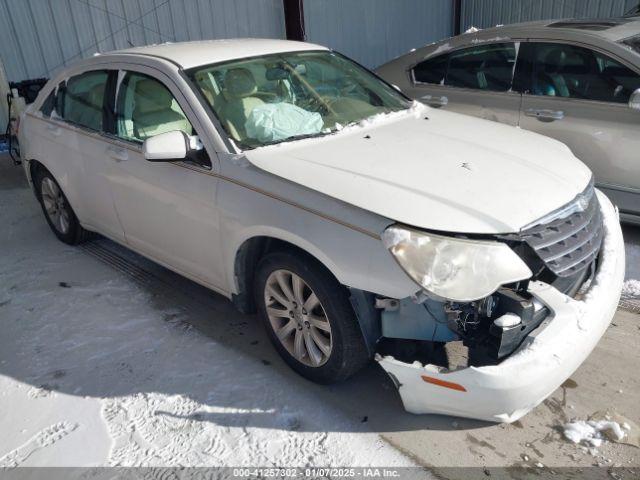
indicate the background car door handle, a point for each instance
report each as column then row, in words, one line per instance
column 435, row 101
column 544, row 114
column 117, row 153
column 53, row 130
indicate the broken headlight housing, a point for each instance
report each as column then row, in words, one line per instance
column 452, row 268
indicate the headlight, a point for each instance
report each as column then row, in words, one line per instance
column 454, row 268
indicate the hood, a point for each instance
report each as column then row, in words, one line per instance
column 435, row 170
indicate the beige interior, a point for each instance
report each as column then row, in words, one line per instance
column 154, row 112
column 240, row 89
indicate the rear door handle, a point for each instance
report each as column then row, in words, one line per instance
column 436, row 102
column 53, row 129
column 119, row 154
column 545, row 114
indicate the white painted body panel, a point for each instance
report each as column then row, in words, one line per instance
column 547, row 357
column 451, row 173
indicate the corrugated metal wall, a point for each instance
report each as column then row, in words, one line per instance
column 375, row 31
column 488, row 13
column 39, row 36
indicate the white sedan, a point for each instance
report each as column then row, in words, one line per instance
column 357, row 223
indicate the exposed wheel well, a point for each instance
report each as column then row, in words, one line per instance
column 34, row 167
column 247, row 258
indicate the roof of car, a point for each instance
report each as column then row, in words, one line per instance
column 610, row 29
column 204, row 52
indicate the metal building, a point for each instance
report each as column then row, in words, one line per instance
column 488, row 13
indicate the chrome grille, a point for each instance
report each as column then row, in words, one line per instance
column 568, row 245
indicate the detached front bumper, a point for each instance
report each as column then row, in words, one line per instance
column 547, row 357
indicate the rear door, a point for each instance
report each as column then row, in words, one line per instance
column 580, row 96
column 476, row 80
column 75, row 148
column 83, row 106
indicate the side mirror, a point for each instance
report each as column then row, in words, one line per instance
column 166, row 147
column 634, row 100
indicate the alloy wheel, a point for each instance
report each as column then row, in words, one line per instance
column 298, row 318
column 55, row 206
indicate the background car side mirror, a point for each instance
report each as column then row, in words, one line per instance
column 166, row 147
column 634, row 100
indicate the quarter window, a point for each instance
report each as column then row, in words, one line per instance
column 146, row 108
column 433, row 70
column 568, row 71
column 48, row 107
column 83, row 98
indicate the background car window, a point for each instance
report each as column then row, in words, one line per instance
column 145, row 108
column 569, row 71
column 82, row 99
column 432, row 70
column 485, row 67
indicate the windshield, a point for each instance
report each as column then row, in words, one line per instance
column 282, row 97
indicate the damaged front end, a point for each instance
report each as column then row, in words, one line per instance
column 496, row 356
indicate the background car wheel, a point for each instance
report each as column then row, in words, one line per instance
column 309, row 318
column 57, row 211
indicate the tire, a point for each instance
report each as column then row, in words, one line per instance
column 323, row 344
column 60, row 216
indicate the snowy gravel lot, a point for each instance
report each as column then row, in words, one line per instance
column 112, row 362
column 97, row 370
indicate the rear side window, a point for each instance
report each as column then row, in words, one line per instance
column 485, row 67
column 432, row 70
column 83, row 99
column 568, row 71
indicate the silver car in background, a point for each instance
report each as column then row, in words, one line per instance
column 577, row 81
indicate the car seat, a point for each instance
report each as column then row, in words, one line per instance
column 239, row 90
column 153, row 112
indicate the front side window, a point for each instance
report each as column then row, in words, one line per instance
column 569, row 71
column 281, row 97
column 81, row 99
column 145, row 107
column 484, row 67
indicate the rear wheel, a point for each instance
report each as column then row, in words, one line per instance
column 57, row 211
column 309, row 318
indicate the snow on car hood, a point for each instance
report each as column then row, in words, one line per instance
column 436, row 170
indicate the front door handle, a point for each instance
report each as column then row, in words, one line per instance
column 545, row 114
column 436, row 102
column 53, row 129
column 119, row 154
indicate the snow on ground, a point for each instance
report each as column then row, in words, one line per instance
column 94, row 372
column 594, row 433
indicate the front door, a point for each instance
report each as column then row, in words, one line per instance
column 473, row 80
column 580, row 97
column 168, row 210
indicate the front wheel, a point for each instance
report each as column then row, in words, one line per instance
column 309, row 318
